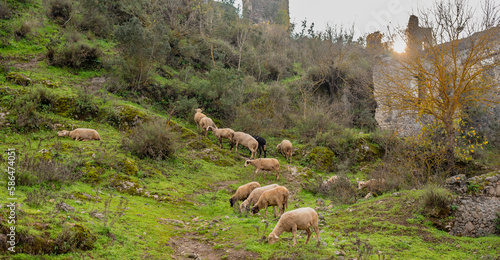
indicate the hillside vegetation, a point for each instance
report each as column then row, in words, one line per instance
column 154, row 187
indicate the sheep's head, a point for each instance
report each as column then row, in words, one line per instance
column 255, row 209
column 232, row 201
column 362, row 184
column 210, row 128
column 272, row 238
column 63, row 133
column 198, row 110
column 278, row 146
column 247, row 162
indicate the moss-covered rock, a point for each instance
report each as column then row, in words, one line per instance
column 130, row 167
column 322, row 158
column 92, row 173
column 19, row 79
column 64, row 106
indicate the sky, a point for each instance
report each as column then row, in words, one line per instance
column 367, row 15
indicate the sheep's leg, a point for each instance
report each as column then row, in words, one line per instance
column 294, row 233
column 308, row 230
column 265, row 153
column 277, row 174
column 220, row 141
column 255, row 173
column 316, row 230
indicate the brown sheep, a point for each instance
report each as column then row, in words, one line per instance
column 266, row 164
column 254, row 197
column 197, row 117
column 222, row 133
column 275, row 197
column 83, row 134
column 285, row 148
column 247, row 141
column 243, row 192
column 298, row 219
column 205, row 123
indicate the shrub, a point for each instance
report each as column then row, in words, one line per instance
column 436, row 202
column 36, row 170
column 341, row 191
column 38, row 197
column 151, row 140
column 85, row 106
column 75, row 55
column 5, row 12
column 60, row 11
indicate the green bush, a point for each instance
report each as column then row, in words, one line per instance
column 151, row 140
column 5, row 12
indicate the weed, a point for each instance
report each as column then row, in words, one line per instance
column 38, row 197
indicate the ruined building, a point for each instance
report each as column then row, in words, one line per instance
column 267, row 11
column 418, row 38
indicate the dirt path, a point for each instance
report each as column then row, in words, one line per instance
column 190, row 247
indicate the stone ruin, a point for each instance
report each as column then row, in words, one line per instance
column 264, row 11
column 476, row 206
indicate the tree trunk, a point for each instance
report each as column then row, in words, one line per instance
column 450, row 145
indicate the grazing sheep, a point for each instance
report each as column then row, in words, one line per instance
column 247, row 141
column 372, row 185
column 298, row 219
column 262, row 145
column 83, row 134
column 285, row 147
column 222, row 132
column 254, row 197
column 266, row 164
column 197, row 117
column 243, row 192
column 205, row 123
column 275, row 197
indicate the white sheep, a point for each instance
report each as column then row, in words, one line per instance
column 247, row 141
column 298, row 219
column 274, row 197
column 83, row 134
column 254, row 197
column 266, row 164
column 197, row 117
column 285, row 147
column 243, row 192
column 334, row 179
column 205, row 123
column 222, row 133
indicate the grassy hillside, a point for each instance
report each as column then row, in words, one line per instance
column 155, row 188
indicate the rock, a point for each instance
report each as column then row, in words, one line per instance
column 65, row 207
column 469, row 227
column 214, row 234
column 320, row 202
column 324, row 244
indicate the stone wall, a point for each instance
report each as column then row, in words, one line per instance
column 478, row 204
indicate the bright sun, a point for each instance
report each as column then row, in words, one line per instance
column 399, row 46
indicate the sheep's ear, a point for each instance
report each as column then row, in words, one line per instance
column 275, row 236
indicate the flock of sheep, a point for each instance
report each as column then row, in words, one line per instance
column 254, row 196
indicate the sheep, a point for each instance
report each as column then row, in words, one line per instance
column 83, row 134
column 243, row 192
column 285, row 147
column 205, row 123
column 275, row 197
column 298, row 219
column 262, row 145
column 266, row 164
column 197, row 117
column 222, row 132
column 254, row 197
column 247, row 141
